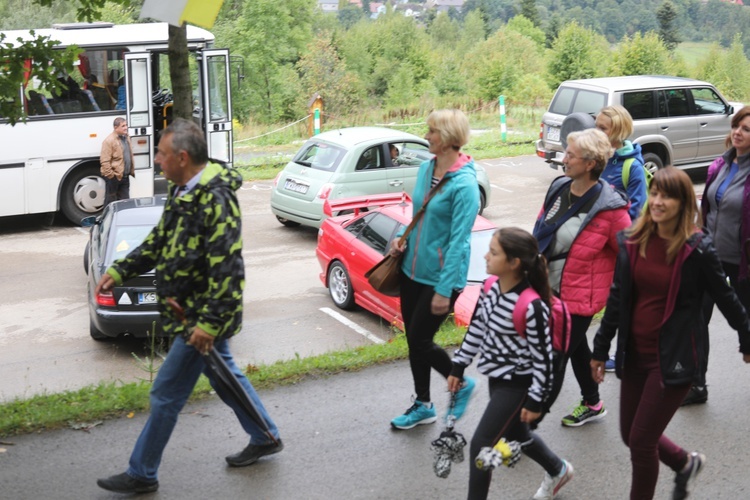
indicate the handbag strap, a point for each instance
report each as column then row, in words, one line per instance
column 421, row 210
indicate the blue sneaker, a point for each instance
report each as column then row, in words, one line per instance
column 463, row 396
column 609, row 365
column 417, row 414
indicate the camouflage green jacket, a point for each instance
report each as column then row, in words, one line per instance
column 196, row 252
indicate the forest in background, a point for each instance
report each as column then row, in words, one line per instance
column 395, row 67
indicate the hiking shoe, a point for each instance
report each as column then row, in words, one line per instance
column 417, row 414
column 252, row 453
column 684, row 479
column 609, row 365
column 583, row 414
column 696, row 396
column 552, row 484
column 125, row 483
column 462, row 397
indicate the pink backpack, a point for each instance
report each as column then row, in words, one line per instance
column 559, row 320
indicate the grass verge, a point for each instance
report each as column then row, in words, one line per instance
column 87, row 407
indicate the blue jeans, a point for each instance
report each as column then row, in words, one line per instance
column 173, row 385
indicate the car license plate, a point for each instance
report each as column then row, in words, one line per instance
column 553, row 134
column 297, row 187
column 147, row 298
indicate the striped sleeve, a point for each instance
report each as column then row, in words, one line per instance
column 539, row 340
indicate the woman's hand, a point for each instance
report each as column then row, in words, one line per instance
column 746, row 358
column 528, row 417
column 597, row 371
column 397, row 249
column 454, row 384
column 440, row 305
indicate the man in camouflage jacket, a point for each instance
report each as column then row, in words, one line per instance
column 196, row 251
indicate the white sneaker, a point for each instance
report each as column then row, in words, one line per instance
column 551, row 485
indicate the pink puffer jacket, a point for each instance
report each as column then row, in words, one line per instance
column 590, row 264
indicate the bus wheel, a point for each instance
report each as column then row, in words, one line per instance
column 82, row 194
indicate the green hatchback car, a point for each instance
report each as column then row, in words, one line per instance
column 348, row 162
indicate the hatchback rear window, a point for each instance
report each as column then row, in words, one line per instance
column 320, row 156
column 571, row 100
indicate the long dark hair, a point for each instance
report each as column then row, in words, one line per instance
column 521, row 245
column 675, row 183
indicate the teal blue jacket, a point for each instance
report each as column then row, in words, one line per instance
column 437, row 250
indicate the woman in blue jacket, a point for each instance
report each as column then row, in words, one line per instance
column 436, row 259
column 664, row 267
column 617, row 124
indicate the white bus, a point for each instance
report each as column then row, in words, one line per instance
column 51, row 162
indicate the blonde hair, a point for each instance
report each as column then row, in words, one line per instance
column 451, row 125
column 674, row 183
column 594, row 145
column 622, row 122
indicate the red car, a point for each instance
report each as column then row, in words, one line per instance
column 351, row 243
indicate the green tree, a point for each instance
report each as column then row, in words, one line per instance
column 666, row 14
column 641, row 55
column 530, row 12
column 728, row 70
column 350, row 15
column 323, row 71
column 578, row 52
column 376, row 50
column 552, row 31
column 522, row 25
column 444, row 31
column 493, row 66
column 271, row 36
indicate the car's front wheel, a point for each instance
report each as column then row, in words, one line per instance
column 340, row 286
column 652, row 162
column 287, row 222
column 482, row 201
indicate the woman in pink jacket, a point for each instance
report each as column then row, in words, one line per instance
column 577, row 232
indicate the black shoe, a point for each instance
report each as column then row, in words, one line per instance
column 696, row 396
column 252, row 453
column 684, row 479
column 124, row 483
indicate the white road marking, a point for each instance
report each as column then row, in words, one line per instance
column 501, row 188
column 354, row 326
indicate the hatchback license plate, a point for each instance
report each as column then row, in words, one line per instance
column 553, row 134
column 297, row 187
column 147, row 298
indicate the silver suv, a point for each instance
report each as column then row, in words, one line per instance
column 677, row 121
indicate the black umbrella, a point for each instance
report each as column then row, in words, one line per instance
column 503, row 453
column 224, row 377
column 449, row 447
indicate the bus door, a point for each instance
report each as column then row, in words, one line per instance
column 217, row 104
column 140, row 120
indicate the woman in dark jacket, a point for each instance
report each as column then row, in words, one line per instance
column 726, row 198
column 664, row 267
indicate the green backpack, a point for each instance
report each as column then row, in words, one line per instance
column 626, row 166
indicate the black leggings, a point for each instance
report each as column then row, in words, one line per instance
column 501, row 419
column 421, row 326
column 580, row 358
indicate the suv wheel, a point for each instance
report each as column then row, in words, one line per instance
column 652, row 162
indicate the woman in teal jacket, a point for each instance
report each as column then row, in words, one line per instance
column 436, row 259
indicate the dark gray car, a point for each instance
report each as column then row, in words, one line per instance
column 129, row 309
